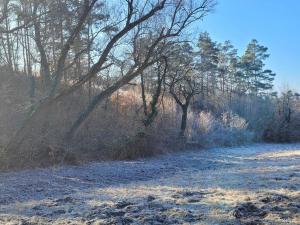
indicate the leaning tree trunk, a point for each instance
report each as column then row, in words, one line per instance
column 13, row 150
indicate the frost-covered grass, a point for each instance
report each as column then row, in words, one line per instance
column 219, row 186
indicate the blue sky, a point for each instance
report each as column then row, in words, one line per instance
column 274, row 23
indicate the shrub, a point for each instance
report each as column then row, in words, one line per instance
column 228, row 130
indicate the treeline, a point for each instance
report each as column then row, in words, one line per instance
column 119, row 79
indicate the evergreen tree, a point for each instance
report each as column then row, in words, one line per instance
column 259, row 80
column 207, row 63
column 227, row 67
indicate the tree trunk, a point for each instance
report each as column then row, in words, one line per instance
column 103, row 95
column 45, row 70
column 13, row 147
column 183, row 119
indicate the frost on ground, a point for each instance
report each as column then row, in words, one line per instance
column 258, row 184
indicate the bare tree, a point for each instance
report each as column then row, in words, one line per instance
column 150, row 110
column 177, row 15
column 183, row 80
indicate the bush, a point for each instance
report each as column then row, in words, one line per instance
column 113, row 131
column 287, row 117
column 283, row 131
column 228, row 130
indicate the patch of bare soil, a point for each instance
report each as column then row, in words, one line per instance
column 252, row 185
column 271, row 205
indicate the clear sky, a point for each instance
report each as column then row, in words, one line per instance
column 274, row 23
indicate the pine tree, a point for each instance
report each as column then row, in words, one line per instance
column 207, row 63
column 259, row 80
column 227, row 67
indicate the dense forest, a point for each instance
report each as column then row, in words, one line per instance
column 86, row 80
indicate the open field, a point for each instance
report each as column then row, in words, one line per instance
column 258, row 184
